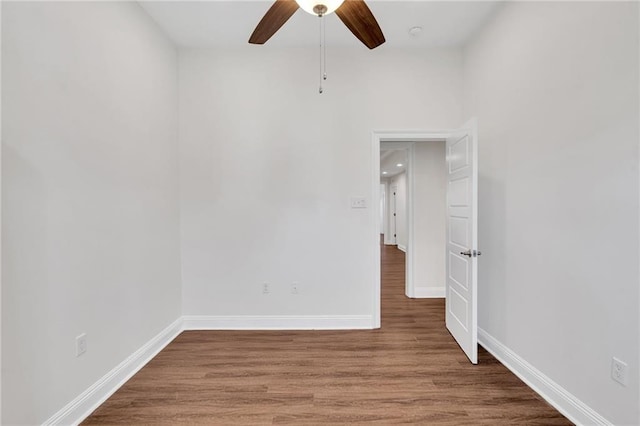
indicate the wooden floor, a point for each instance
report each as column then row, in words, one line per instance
column 410, row 371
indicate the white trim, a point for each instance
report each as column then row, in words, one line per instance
column 1, row 316
column 88, row 401
column 570, row 406
column 429, row 292
column 274, row 322
column 375, row 245
column 84, row 404
column 412, row 135
column 402, row 248
column 410, row 249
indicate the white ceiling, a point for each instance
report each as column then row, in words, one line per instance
column 389, row 160
column 230, row 23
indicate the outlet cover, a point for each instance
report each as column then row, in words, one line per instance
column 265, row 288
column 619, row 371
column 81, row 344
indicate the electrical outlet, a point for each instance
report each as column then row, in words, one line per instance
column 81, row 344
column 619, row 371
column 265, row 288
column 295, row 287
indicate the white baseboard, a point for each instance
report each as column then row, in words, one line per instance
column 271, row 322
column 83, row 405
column 570, row 406
column 403, row 248
column 429, row 292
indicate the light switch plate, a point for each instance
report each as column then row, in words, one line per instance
column 358, row 203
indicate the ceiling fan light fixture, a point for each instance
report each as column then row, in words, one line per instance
column 319, row 7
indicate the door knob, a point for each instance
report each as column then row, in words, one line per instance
column 471, row 253
column 466, row 253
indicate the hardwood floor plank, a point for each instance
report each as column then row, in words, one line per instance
column 411, row 371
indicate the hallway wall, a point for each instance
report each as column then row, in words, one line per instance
column 398, row 184
column 430, row 194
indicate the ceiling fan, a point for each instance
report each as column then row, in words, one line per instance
column 355, row 14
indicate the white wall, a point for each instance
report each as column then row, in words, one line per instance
column 0, row 217
column 398, row 184
column 269, row 165
column 89, row 196
column 429, row 217
column 555, row 88
column 382, row 207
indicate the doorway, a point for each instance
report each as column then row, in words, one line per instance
column 460, row 253
column 393, row 166
column 415, row 173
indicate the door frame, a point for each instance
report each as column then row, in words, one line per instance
column 405, row 139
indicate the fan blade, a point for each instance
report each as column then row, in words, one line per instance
column 271, row 22
column 357, row 16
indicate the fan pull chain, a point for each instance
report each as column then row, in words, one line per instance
column 323, row 75
column 324, row 48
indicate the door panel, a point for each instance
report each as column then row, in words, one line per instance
column 459, row 308
column 462, row 267
column 459, row 155
column 459, row 271
column 459, row 192
column 394, row 216
column 458, row 232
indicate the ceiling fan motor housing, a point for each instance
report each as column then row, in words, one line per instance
column 320, row 9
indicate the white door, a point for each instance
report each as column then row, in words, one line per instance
column 462, row 239
column 392, row 216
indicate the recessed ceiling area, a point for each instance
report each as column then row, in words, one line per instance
column 202, row 24
column 392, row 162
